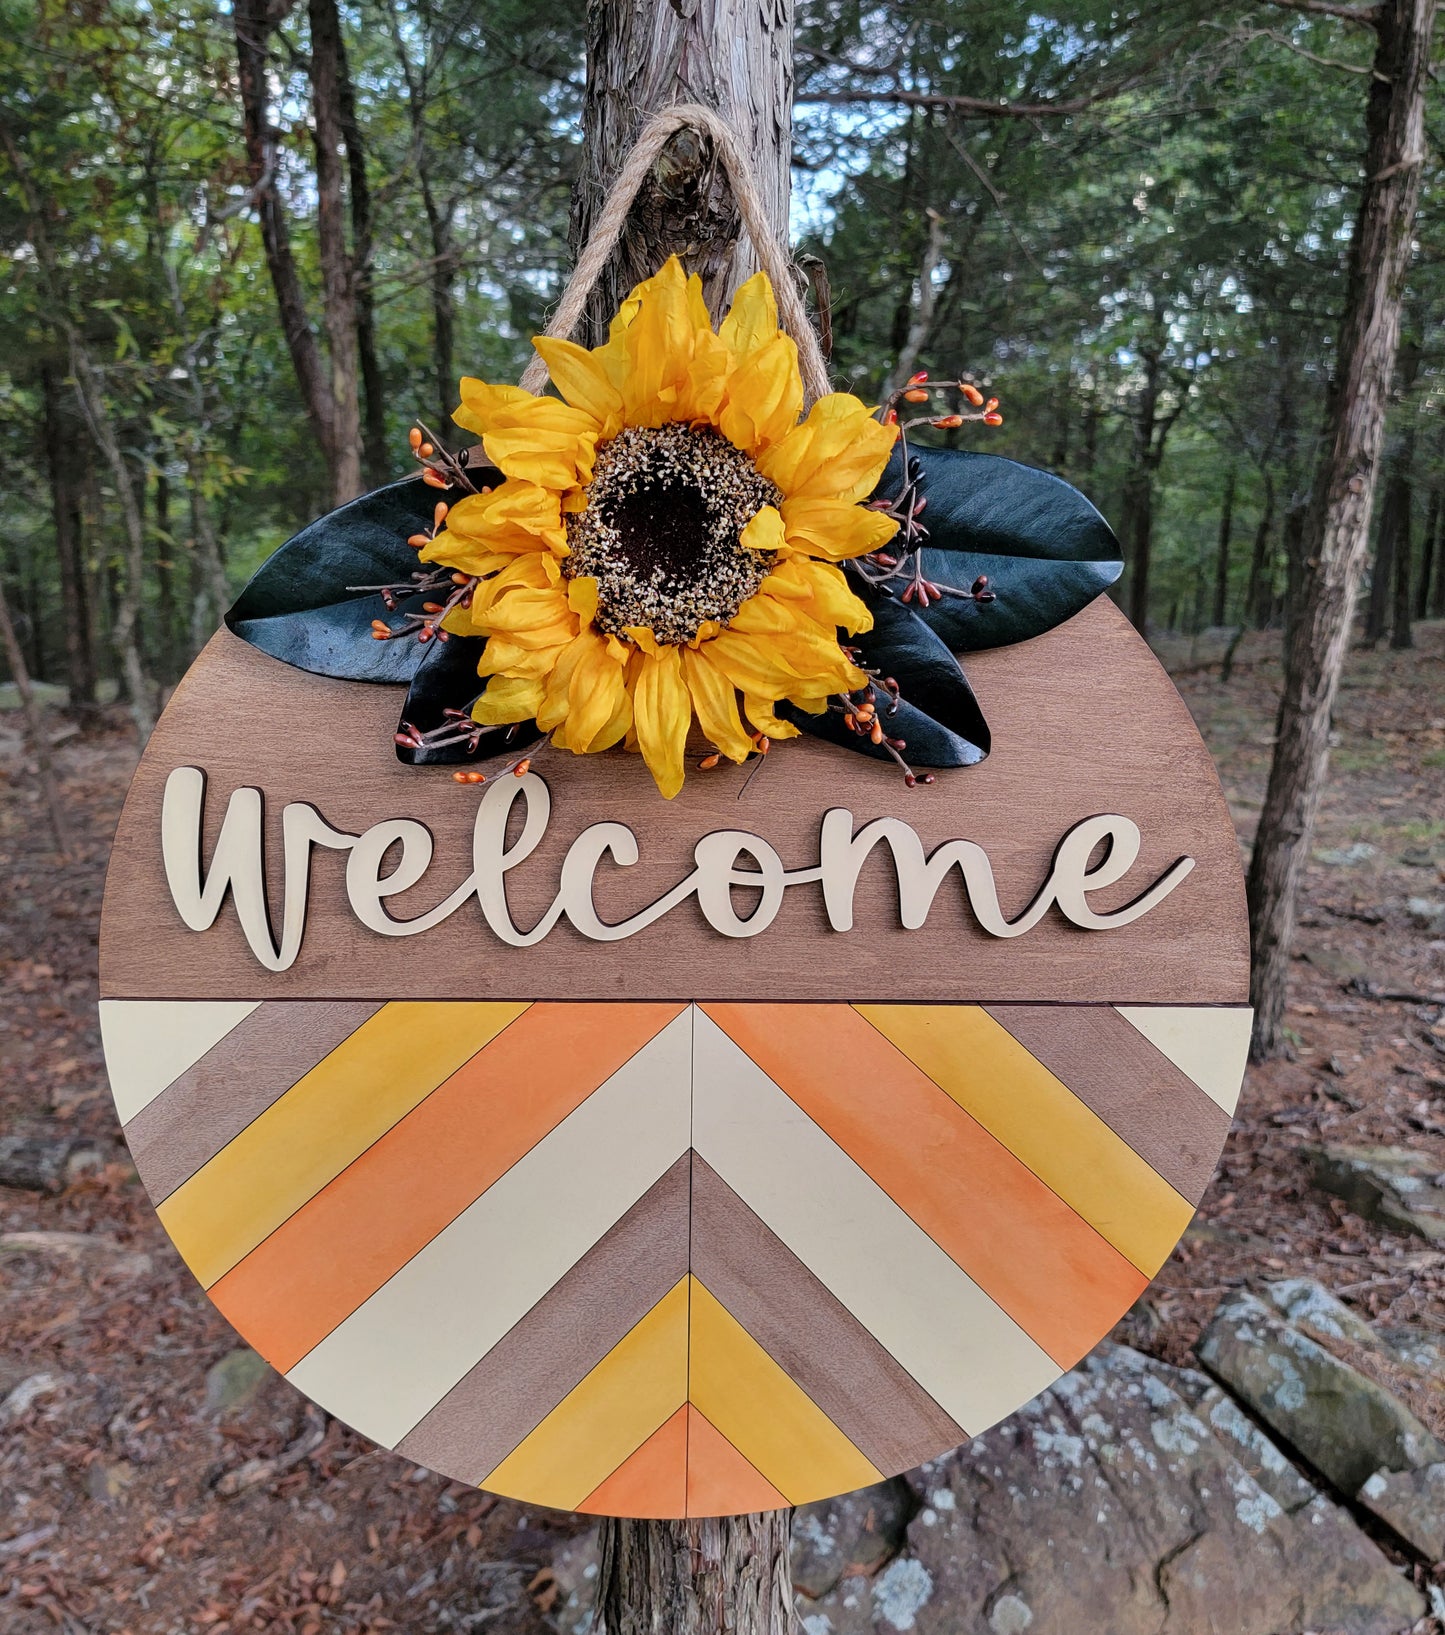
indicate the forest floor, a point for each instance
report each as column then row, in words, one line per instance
column 110, row 1517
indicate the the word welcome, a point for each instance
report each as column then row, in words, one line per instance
column 238, row 865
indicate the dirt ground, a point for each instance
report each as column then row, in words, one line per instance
column 110, row 1515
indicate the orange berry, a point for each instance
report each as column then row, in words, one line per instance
column 439, row 515
column 915, row 397
column 947, row 422
column 973, row 394
column 433, row 479
column 476, row 777
column 991, row 405
column 522, row 768
column 993, row 420
column 426, row 451
column 708, row 762
column 418, row 540
column 414, row 438
column 891, row 418
column 919, row 378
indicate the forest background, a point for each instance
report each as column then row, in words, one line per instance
column 246, row 247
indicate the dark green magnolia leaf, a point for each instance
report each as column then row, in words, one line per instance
column 447, row 680
column 300, row 606
column 1044, row 548
column 937, row 716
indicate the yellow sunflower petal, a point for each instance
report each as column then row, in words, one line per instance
column 765, row 532
column 704, row 385
column 659, row 346
column 835, row 529
column 515, row 516
column 582, row 378
column 760, row 713
column 503, row 658
column 764, row 396
column 482, row 402
column 552, row 712
column 753, row 320
column 618, row 727
column 838, row 452
column 661, row 714
column 508, row 698
column 715, row 700
column 582, row 597
column 823, row 591
column 779, row 666
column 597, row 684
column 551, row 459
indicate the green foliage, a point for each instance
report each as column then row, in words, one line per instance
column 1151, row 282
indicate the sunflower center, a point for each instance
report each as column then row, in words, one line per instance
column 661, row 532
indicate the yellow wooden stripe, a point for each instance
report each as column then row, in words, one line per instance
column 638, row 1385
column 768, row 1418
column 1040, row 1120
column 327, row 1119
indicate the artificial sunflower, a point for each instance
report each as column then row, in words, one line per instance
column 667, row 535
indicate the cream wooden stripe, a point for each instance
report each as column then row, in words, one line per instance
column 967, row 1353
column 1208, row 1042
column 400, row 1353
column 149, row 1043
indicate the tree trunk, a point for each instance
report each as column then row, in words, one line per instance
column 373, row 435
column 63, row 466
column 338, row 298
column 35, row 729
column 253, row 25
column 728, row 1573
column 1221, row 558
column 922, row 325
column 1257, row 597
column 696, row 1577
column 1400, row 501
column 1429, row 556
column 1436, row 608
column 1336, row 530
column 735, row 56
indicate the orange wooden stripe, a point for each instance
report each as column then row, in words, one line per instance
column 1018, row 1240
column 338, row 1249
column 720, row 1482
column 650, row 1482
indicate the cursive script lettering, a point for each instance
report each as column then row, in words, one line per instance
column 238, row 865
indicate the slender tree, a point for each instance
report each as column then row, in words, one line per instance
column 1334, row 538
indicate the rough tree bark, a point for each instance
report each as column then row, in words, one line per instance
column 735, row 56
column 1429, row 556
column 254, row 22
column 1336, row 530
column 338, row 296
column 1151, row 435
column 705, row 1576
column 922, row 322
column 1392, row 535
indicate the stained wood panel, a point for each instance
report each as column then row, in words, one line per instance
column 1084, row 722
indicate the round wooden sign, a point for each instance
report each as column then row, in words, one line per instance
column 676, row 1158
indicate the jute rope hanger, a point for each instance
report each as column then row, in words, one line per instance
column 772, row 252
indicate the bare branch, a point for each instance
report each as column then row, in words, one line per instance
column 1248, row 36
column 1363, row 16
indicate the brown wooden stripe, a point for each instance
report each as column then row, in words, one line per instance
column 1138, row 1092
column 506, row 1395
column 234, row 1083
column 878, row 1406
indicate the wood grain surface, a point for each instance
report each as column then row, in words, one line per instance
column 1084, row 722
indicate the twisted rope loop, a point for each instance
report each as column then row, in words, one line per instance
column 772, row 252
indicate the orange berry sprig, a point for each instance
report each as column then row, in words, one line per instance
column 439, row 468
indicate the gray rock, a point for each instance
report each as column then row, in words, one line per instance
column 1123, row 1499
column 1346, row 1425
column 1419, row 1348
column 1347, row 856
column 1390, row 1185
column 1428, row 913
column 849, row 1536
column 1413, row 1503
column 1310, row 1307
column 235, row 1380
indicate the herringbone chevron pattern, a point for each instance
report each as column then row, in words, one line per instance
column 668, row 1259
